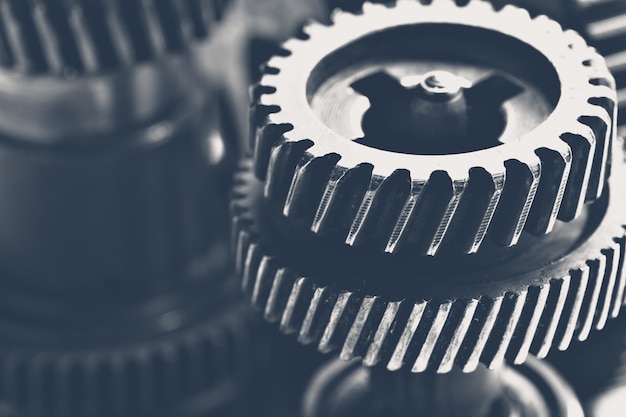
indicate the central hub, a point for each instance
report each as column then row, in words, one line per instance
column 442, row 86
column 442, row 114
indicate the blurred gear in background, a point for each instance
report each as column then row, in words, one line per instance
column 117, row 297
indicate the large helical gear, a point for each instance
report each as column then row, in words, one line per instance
column 340, row 187
column 434, row 313
column 83, row 36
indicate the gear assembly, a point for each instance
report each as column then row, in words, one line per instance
column 419, row 210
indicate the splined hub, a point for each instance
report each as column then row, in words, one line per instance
column 430, row 128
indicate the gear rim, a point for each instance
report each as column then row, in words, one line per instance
column 298, row 165
column 530, row 313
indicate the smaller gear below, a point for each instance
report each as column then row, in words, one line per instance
column 335, row 142
column 433, row 313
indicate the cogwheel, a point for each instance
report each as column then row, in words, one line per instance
column 544, row 140
column 130, row 362
column 434, row 312
column 85, row 36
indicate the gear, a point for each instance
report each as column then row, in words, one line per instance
column 442, row 194
column 435, row 312
column 84, row 36
column 128, row 362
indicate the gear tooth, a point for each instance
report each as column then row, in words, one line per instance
column 361, row 330
column 341, row 318
column 582, row 145
column 400, row 229
column 475, row 210
column 460, row 330
column 22, row 41
column 479, row 333
column 579, row 280
column 609, row 289
column 618, row 300
column 406, row 333
column 279, row 294
column 549, row 26
column 379, row 349
column 315, row 314
column 424, row 358
column 380, row 209
column 267, row 139
column 590, row 300
column 340, row 202
column 307, row 186
column 599, row 121
column 263, row 282
column 432, row 212
column 502, row 333
column 529, row 321
column 284, row 164
column 553, row 313
column 518, row 195
column 555, row 169
column 297, row 304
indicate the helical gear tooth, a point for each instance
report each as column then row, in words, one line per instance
column 599, row 121
column 297, row 305
column 556, row 164
column 382, row 204
column 262, row 285
column 475, row 211
column 317, row 314
column 424, row 357
column 582, row 143
column 361, row 330
column 528, row 324
column 341, row 199
column 25, row 48
column 554, row 312
column 482, row 326
column 279, row 294
column 431, row 214
column 621, row 277
column 579, row 281
column 607, row 296
column 341, row 318
column 504, row 330
column 284, row 163
column 516, row 200
column 398, row 357
column 596, row 270
column 307, row 187
column 466, row 313
column 376, row 348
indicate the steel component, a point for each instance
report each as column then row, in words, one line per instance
column 156, row 356
column 342, row 389
column 85, row 36
column 303, row 130
column 433, row 313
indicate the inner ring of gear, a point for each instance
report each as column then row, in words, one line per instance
column 525, row 184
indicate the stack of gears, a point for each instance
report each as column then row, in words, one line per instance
column 435, row 192
column 117, row 297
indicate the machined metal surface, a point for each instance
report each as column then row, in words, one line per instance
column 433, row 313
column 306, row 130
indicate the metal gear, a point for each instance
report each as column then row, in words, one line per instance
column 449, row 200
column 129, row 362
column 432, row 313
column 70, row 37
